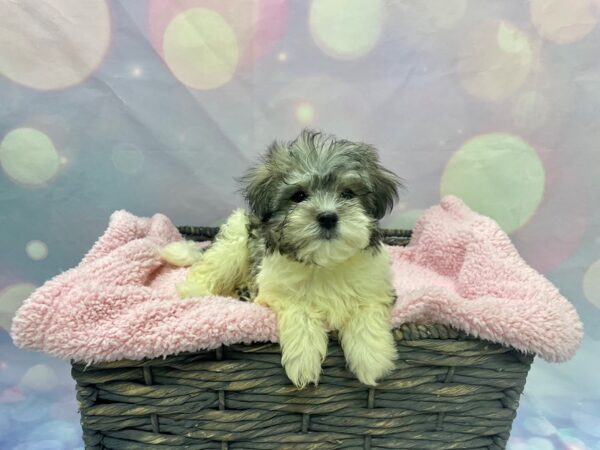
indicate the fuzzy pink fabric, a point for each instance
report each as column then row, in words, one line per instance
column 460, row 269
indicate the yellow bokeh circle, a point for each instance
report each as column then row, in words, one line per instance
column 346, row 29
column 564, row 21
column 499, row 175
column 201, row 48
column 52, row 44
column 28, row 156
column 494, row 61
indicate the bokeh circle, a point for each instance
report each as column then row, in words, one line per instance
column 499, row 175
column 346, row 29
column 257, row 24
column 564, row 21
column 28, row 156
column 38, row 378
column 11, row 298
column 52, row 45
column 305, row 113
column 201, row 49
column 495, row 60
column 36, row 250
column 591, row 284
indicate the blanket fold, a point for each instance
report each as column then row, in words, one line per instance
column 460, row 269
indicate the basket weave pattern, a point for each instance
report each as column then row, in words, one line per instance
column 449, row 391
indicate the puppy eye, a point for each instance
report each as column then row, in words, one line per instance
column 348, row 194
column 299, row 196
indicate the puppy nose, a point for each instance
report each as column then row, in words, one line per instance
column 328, row 220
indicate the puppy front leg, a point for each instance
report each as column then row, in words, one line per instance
column 224, row 265
column 303, row 341
column 369, row 344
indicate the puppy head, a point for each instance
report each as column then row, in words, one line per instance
column 319, row 198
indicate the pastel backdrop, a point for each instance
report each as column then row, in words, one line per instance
column 155, row 106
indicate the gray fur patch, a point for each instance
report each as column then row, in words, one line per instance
column 327, row 175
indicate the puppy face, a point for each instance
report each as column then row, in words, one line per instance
column 319, row 199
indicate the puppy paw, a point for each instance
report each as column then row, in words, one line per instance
column 369, row 347
column 372, row 368
column 303, row 370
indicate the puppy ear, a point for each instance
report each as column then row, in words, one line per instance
column 256, row 191
column 258, row 185
column 385, row 191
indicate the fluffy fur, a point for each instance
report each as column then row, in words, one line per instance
column 310, row 250
column 223, row 270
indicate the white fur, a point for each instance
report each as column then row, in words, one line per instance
column 352, row 297
column 181, row 253
column 224, row 266
column 348, row 289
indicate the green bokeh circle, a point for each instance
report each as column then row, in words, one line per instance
column 498, row 175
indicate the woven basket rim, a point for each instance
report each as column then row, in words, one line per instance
column 405, row 332
column 391, row 236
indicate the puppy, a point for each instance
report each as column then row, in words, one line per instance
column 310, row 249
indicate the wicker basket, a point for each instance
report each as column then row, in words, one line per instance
column 449, row 391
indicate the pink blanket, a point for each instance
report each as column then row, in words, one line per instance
column 460, row 269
